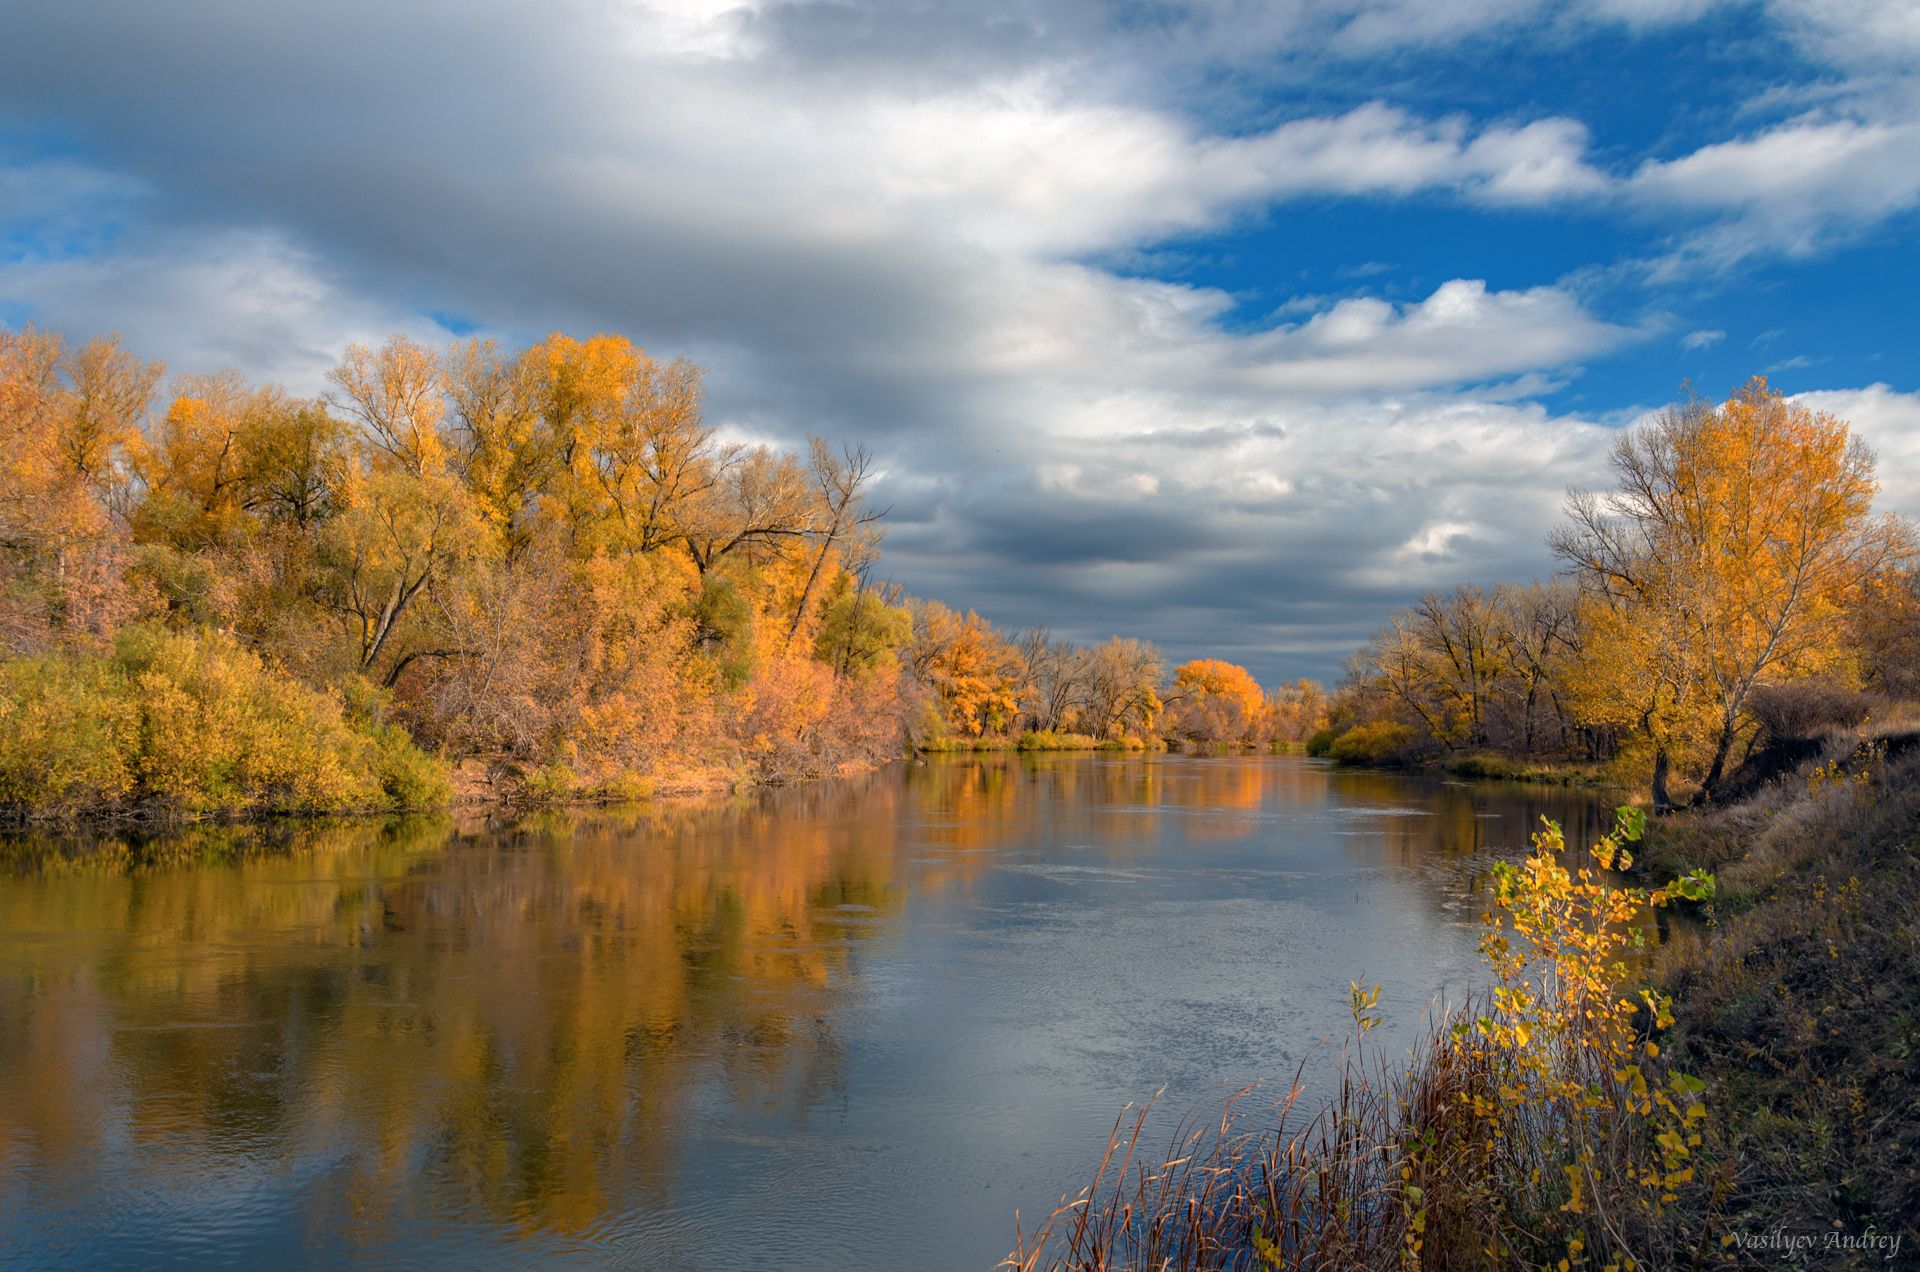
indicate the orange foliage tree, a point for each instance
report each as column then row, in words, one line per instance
column 1216, row 701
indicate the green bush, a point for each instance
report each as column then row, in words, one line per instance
column 1321, row 743
column 626, row 787
column 191, row 723
column 68, row 730
column 552, row 783
column 409, row 777
column 1373, row 742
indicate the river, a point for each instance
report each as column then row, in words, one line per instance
column 854, row 1025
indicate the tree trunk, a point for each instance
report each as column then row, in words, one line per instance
column 1662, row 802
column 813, row 578
column 1711, row 787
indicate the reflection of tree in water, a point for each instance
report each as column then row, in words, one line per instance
column 516, row 1022
column 1457, row 820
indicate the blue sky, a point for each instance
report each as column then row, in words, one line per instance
column 1231, row 325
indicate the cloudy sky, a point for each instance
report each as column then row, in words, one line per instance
column 1228, row 324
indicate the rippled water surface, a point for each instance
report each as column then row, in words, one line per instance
column 849, row 1026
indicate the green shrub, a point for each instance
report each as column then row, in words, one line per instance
column 1373, row 742
column 409, row 777
column 1321, row 743
column 550, row 784
column 626, row 787
column 191, row 723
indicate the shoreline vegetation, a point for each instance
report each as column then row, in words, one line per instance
column 481, row 576
column 522, row 578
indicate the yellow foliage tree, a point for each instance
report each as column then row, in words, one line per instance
column 1730, row 551
column 67, row 420
column 973, row 671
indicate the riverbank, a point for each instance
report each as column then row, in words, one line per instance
column 1768, row 1092
column 1386, row 745
column 476, row 786
column 1802, row 1007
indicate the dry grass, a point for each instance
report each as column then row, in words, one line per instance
column 1309, row 1191
column 1394, row 1171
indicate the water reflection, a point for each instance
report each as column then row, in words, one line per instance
column 850, row 1025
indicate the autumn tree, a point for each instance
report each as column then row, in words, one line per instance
column 1215, row 701
column 1476, row 667
column 501, row 446
column 406, row 523
column 1543, row 641
column 1736, row 540
column 1464, row 639
column 394, row 394
column 973, row 671
column 68, row 419
column 1393, row 674
column 1884, row 633
column 1053, row 681
column 544, row 557
column 843, row 528
column 397, row 536
column 1122, row 694
column 1294, row 712
column 759, row 507
column 861, row 629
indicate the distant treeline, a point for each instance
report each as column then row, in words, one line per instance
column 1733, row 587
column 531, row 574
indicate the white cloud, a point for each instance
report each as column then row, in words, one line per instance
column 1651, row 13
column 1703, row 339
column 1462, row 332
column 1790, row 188
column 1864, row 36
column 1020, row 167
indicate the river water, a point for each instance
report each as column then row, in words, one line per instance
column 850, row 1026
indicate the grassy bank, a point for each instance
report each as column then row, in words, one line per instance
column 1384, row 744
column 1804, row 1006
column 1754, row 1082
column 1489, row 766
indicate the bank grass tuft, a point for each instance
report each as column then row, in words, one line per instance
column 1375, row 742
column 1492, row 766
